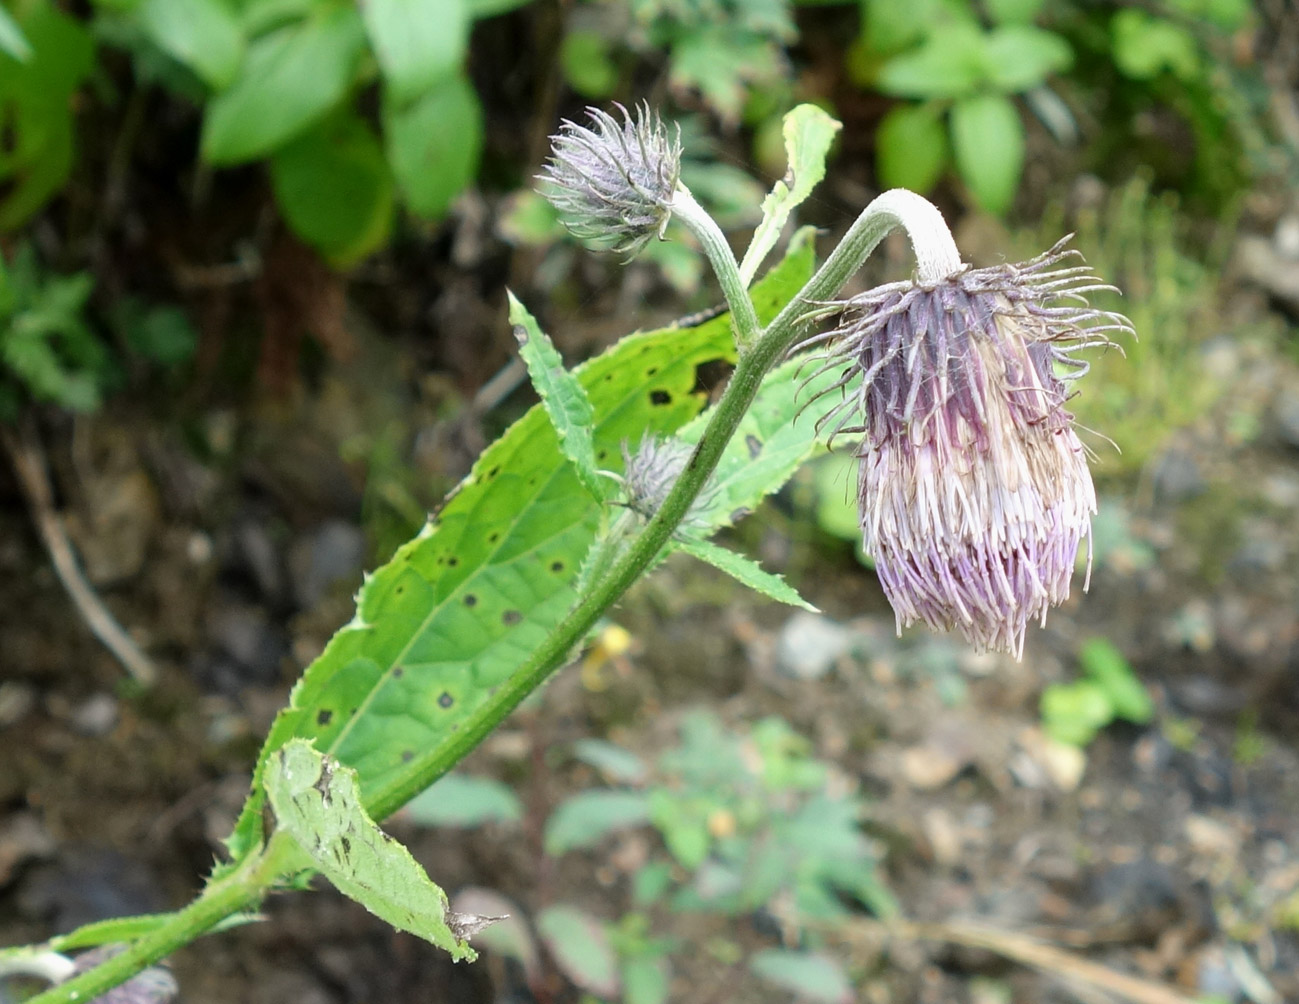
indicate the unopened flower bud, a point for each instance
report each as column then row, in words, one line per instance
column 974, row 492
column 650, row 471
column 613, row 183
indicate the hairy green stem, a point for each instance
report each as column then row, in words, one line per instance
column 242, row 889
column 722, row 258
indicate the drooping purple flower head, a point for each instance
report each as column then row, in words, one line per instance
column 613, row 183
column 974, row 492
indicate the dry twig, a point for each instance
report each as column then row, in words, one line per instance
column 28, row 458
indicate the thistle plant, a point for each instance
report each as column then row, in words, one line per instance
column 974, row 495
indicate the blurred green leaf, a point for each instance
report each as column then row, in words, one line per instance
column 586, row 63
column 1102, row 661
column 417, row 42
column 1145, row 46
column 988, row 142
column 289, row 79
column 161, row 334
column 580, row 947
column 721, row 64
column 526, row 218
column 950, row 63
column 1020, row 56
column 317, row 801
column 37, row 107
column 1073, row 713
column 911, row 148
column 434, row 145
column 204, row 35
column 589, row 816
column 812, row 976
column 12, row 40
column 1013, row 11
column 645, row 980
column 613, row 761
column 465, row 801
column 333, row 186
column 491, row 8
column 808, row 133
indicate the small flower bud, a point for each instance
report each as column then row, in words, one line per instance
column 650, row 472
column 613, row 184
column 974, row 491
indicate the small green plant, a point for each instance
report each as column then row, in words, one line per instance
column 1074, row 713
column 746, row 820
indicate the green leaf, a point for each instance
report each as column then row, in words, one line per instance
column 464, row 801
column 812, row 976
column 722, row 64
column 115, row 930
column 1020, row 57
column 289, row 79
column 950, row 63
column 333, row 187
column 1145, row 46
column 1073, row 713
column 491, row 8
column 12, row 40
column 1014, row 11
column 808, row 134
column 590, row 816
column 613, row 761
column 317, row 801
column 988, row 140
column 562, row 396
column 743, row 570
column 1102, row 661
column 204, row 35
column 646, row 980
column 911, row 148
column 580, row 946
column 36, row 156
column 418, row 42
column 460, row 606
column 434, row 145
column 587, row 65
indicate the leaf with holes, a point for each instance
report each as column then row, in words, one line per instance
column 463, row 604
column 318, row 802
column 565, row 401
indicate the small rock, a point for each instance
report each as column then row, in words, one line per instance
column 95, row 716
column 331, row 553
column 1177, row 477
column 809, row 645
column 1285, row 412
column 1060, row 764
column 16, row 699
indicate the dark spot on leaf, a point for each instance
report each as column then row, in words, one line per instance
column 399, row 590
column 608, row 377
column 511, row 617
column 452, row 561
column 602, row 454
column 398, row 671
column 494, row 471
column 324, row 716
column 407, row 756
column 709, row 374
column 556, row 566
column 651, row 371
column 445, row 700
column 754, row 445
column 347, row 845
column 660, row 398
column 493, row 538
column 471, row 600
